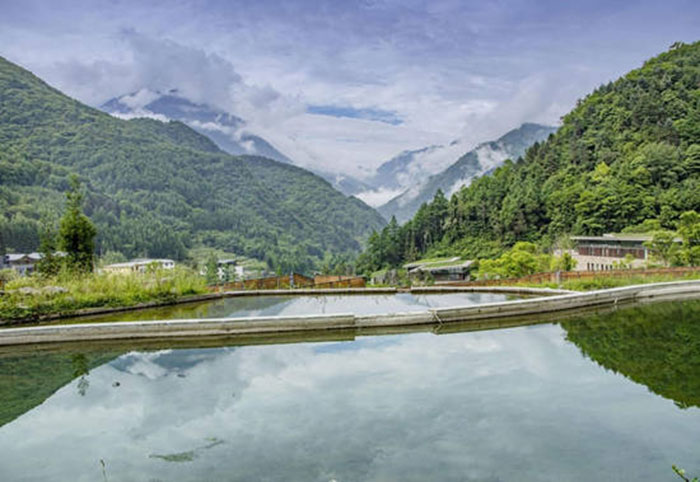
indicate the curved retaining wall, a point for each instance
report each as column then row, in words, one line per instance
column 277, row 324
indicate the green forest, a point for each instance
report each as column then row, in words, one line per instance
column 158, row 189
column 628, row 154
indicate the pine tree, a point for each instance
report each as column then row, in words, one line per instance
column 77, row 233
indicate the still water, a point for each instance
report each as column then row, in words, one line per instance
column 605, row 397
column 248, row 306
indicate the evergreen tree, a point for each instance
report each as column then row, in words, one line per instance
column 50, row 264
column 77, row 233
column 212, row 270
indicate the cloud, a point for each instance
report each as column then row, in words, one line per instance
column 140, row 99
column 377, row 197
column 161, row 65
column 430, row 71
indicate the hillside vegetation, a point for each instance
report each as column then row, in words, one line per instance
column 156, row 189
column 628, row 152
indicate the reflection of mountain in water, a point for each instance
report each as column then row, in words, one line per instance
column 163, row 363
column 655, row 345
column 27, row 380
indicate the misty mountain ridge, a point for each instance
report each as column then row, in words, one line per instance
column 477, row 162
column 226, row 130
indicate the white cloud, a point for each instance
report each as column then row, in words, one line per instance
column 140, row 99
column 450, row 70
column 377, row 197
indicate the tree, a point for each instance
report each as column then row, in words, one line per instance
column 664, row 247
column 212, row 269
column 50, row 264
column 689, row 230
column 77, row 233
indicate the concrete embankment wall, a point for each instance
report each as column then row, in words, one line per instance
column 565, row 301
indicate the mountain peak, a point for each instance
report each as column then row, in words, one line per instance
column 478, row 161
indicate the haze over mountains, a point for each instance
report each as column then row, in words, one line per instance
column 485, row 157
column 397, row 187
column 226, row 130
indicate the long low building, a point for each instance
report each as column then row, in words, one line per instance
column 451, row 269
column 139, row 265
column 610, row 251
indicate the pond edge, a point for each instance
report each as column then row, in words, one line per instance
column 549, row 301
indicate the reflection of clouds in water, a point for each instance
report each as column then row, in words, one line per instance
column 362, row 304
column 475, row 406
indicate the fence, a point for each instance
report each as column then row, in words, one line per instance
column 299, row 281
column 560, row 276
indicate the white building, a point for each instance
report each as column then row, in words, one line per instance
column 139, row 265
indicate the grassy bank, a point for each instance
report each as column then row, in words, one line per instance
column 29, row 298
column 603, row 282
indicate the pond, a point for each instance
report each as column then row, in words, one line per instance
column 595, row 397
column 291, row 305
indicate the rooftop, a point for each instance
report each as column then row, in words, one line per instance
column 612, row 237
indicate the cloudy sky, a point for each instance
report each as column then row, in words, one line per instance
column 345, row 85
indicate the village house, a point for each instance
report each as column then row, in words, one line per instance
column 139, row 265
column 454, row 269
column 610, row 251
column 24, row 264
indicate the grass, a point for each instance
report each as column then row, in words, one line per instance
column 603, row 282
column 40, row 296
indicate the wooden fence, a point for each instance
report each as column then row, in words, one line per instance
column 561, row 276
column 299, row 281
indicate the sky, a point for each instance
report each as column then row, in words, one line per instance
column 346, row 85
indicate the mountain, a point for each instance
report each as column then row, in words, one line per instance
column 407, row 169
column 402, row 170
column 156, row 188
column 484, row 158
column 226, row 130
column 628, row 153
column 229, row 132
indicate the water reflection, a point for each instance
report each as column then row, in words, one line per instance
column 299, row 305
column 516, row 404
column 27, row 379
column 656, row 345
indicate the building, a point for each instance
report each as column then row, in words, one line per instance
column 24, row 264
column 228, row 268
column 139, row 265
column 607, row 252
column 453, row 269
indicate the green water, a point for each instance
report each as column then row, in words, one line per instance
column 607, row 397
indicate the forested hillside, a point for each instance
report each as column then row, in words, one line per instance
column 478, row 161
column 155, row 189
column 628, row 152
